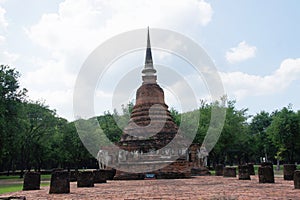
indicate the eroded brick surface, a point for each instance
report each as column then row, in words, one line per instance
column 196, row 188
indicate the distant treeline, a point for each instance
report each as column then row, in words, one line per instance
column 33, row 137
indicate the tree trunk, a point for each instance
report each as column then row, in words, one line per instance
column 22, row 172
column 22, row 163
column 278, row 165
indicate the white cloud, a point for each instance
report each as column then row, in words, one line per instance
column 59, row 100
column 86, row 23
column 2, row 39
column 8, row 58
column 79, row 26
column 51, row 82
column 50, row 74
column 3, row 22
column 240, row 53
column 240, row 85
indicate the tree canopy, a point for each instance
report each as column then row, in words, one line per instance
column 32, row 136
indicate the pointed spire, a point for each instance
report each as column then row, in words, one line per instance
column 149, row 71
column 148, row 60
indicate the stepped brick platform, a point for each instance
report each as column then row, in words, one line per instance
column 204, row 188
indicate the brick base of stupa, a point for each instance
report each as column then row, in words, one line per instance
column 173, row 170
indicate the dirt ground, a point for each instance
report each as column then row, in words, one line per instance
column 208, row 187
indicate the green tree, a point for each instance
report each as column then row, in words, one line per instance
column 73, row 150
column 284, row 132
column 261, row 144
column 232, row 146
column 11, row 97
column 108, row 123
column 176, row 116
column 38, row 125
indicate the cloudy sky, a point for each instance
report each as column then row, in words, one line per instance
column 254, row 44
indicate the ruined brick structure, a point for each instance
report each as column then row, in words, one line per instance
column 151, row 143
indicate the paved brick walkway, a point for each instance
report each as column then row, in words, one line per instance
column 196, row 188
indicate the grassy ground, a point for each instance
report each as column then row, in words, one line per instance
column 15, row 183
column 15, row 187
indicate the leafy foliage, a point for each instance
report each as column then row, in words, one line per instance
column 32, row 136
column 284, row 132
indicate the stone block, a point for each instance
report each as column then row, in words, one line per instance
column 60, row 182
column 219, row 170
column 297, row 179
column 109, row 174
column 99, row 177
column 32, row 181
column 229, row 172
column 85, row 179
column 73, row 176
column 251, row 169
column 288, row 171
column 266, row 174
column 244, row 172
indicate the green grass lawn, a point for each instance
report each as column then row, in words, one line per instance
column 8, row 183
column 10, row 188
column 15, row 187
column 9, row 177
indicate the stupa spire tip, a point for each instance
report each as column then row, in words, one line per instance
column 149, row 71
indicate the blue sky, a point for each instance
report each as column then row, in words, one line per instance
column 254, row 44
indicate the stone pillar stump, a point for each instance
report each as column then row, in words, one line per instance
column 266, row 174
column 244, row 172
column 229, row 172
column 219, row 170
column 109, row 174
column 251, row 169
column 288, row 171
column 99, row 177
column 32, row 181
column 297, row 179
column 60, row 182
column 73, row 176
column 85, row 179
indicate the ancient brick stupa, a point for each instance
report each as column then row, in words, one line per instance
column 150, row 129
column 151, row 144
column 151, row 126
